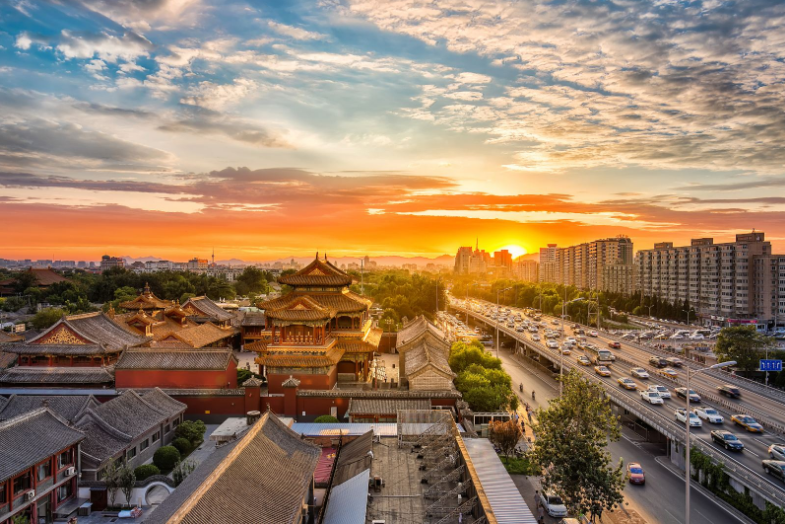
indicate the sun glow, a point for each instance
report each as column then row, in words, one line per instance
column 514, row 250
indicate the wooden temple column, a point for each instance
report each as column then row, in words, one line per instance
column 356, row 370
column 365, row 368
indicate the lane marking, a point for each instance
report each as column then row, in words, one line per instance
column 750, row 451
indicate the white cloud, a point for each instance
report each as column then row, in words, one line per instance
column 107, row 47
column 23, row 42
column 218, row 96
column 294, row 32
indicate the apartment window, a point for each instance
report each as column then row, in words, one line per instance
column 44, row 470
column 131, row 453
column 64, row 491
column 156, row 436
column 144, row 445
column 21, row 483
column 64, row 459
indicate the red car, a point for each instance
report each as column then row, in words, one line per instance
column 614, row 345
column 635, row 473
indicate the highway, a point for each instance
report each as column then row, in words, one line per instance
column 756, row 446
column 661, row 500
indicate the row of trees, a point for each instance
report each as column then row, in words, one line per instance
column 481, row 380
column 402, row 294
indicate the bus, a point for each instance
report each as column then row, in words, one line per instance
column 600, row 357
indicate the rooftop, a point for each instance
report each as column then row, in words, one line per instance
column 58, row 375
column 317, row 273
column 163, row 358
column 208, row 309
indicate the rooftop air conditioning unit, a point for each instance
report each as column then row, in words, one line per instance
column 30, row 495
column 70, row 472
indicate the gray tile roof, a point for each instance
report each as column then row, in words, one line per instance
column 57, row 375
column 384, row 406
column 97, row 328
column 128, row 413
column 261, row 478
column 423, row 354
column 416, row 328
column 162, row 358
column 61, row 349
column 163, row 403
column 253, row 319
column 209, row 308
column 67, row 407
column 30, row 438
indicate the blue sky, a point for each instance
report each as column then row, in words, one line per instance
column 524, row 122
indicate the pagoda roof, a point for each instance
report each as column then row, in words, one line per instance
column 300, row 308
column 293, row 360
column 176, row 359
column 202, row 335
column 344, row 302
column 68, row 350
column 146, row 300
column 317, row 273
column 207, row 308
column 90, row 328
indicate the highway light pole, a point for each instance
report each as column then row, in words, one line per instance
column 688, row 315
column 687, row 439
column 561, row 350
column 498, row 314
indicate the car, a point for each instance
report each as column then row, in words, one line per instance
column 682, row 392
column 613, row 344
column 652, row 397
column 747, row 422
column 635, row 473
column 658, row 362
column 775, row 468
column 639, row 373
column 627, row 383
column 662, row 390
column 571, row 340
column 555, row 322
column 675, row 362
column 709, row 415
column 669, row 373
column 593, row 333
column 552, row 344
column 553, row 505
column 583, row 360
column 777, row 451
column 727, row 440
column 681, row 416
column 602, row 371
column 565, row 350
column 520, row 329
column 536, row 337
column 729, row 391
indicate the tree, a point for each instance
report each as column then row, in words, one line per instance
column 505, row 435
column 463, row 355
column 166, row 458
column 743, row 344
column 192, row 430
column 251, row 280
column 127, row 481
column 182, row 470
column 47, row 317
column 324, row 419
column 572, row 437
column 111, row 479
column 146, row 470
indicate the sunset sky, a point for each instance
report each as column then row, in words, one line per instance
column 405, row 127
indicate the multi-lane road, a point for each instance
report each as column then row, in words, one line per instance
column 629, row 356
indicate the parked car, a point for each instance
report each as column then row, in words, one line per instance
column 553, row 505
column 681, row 416
column 639, row 373
column 662, row 390
column 727, row 440
column 658, row 362
column 627, row 383
column 613, row 344
column 747, row 422
column 775, row 468
column 682, row 392
column 635, row 473
column 709, row 415
column 777, row 452
column 602, row 371
column 729, row 391
column 652, row 397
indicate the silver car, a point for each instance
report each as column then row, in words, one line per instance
column 777, row 452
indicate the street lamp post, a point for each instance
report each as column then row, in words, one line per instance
column 497, row 318
column 561, row 350
column 688, row 315
column 687, row 424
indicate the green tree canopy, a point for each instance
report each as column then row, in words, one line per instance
column 47, row 317
column 463, row 355
column 743, row 344
column 572, row 437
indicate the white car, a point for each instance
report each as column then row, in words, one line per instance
column 593, row 333
column 709, row 415
column 652, row 397
column 536, row 337
column 571, row 340
column 552, row 344
column 553, row 505
column 662, row 390
column 639, row 372
column 695, row 422
column 520, row 329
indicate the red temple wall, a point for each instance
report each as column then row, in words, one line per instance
column 177, row 379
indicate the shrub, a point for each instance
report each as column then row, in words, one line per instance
column 146, row 470
column 192, row 431
column 183, row 445
column 325, row 419
column 166, row 458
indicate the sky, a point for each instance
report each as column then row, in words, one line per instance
column 386, row 127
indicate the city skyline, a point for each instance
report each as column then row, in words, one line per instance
column 400, row 127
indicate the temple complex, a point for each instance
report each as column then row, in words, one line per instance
column 318, row 333
column 147, row 302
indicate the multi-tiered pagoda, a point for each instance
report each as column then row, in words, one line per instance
column 318, row 331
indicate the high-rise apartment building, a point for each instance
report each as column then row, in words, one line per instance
column 526, row 270
column 605, row 264
column 468, row 261
column 732, row 282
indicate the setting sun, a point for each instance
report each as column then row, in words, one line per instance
column 514, row 250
